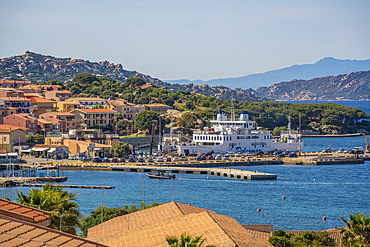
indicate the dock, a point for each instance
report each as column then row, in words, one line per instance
column 70, row 186
column 230, row 173
column 15, row 181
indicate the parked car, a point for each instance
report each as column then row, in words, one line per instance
column 131, row 159
column 168, row 159
column 184, row 158
column 175, row 159
column 226, row 157
column 210, row 157
column 122, row 160
column 72, row 157
column 86, row 158
column 160, row 159
column 150, row 159
column 281, row 155
column 97, row 160
column 218, row 157
column 141, row 160
column 293, row 155
column 57, row 157
column 105, row 160
column 115, row 160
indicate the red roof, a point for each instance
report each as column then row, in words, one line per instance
column 97, row 110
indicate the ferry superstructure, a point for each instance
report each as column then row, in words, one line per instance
column 232, row 135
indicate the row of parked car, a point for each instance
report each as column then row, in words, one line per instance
column 140, row 159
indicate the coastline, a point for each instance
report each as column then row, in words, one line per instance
column 335, row 135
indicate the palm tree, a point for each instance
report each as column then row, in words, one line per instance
column 186, row 241
column 358, row 230
column 62, row 205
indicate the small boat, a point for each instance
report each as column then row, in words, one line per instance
column 160, row 175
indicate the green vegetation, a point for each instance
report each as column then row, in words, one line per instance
column 186, row 241
column 120, row 149
column 187, row 121
column 282, row 239
column 144, row 121
column 35, row 139
column 109, row 213
column 357, row 232
column 62, row 205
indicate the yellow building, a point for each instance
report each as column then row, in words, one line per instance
column 11, row 136
column 41, row 105
column 95, row 117
column 92, row 149
column 64, row 106
column 157, row 107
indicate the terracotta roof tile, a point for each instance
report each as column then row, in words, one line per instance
column 151, row 226
column 19, row 211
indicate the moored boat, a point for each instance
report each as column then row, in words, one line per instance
column 160, row 175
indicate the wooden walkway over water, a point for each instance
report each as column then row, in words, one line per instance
column 70, row 186
column 231, row 173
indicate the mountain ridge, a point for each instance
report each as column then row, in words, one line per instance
column 324, row 67
column 351, row 86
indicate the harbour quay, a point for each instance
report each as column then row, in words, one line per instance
column 222, row 172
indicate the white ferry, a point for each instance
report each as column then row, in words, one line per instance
column 239, row 135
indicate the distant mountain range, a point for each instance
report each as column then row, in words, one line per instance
column 325, row 67
column 351, row 86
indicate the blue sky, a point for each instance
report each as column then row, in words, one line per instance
column 188, row 39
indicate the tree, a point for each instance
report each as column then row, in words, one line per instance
column 37, row 138
column 187, row 121
column 135, row 81
column 60, row 203
column 121, row 149
column 278, row 130
column 144, row 120
column 186, row 241
column 282, row 239
column 109, row 213
column 358, row 230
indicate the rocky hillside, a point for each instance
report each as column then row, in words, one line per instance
column 39, row 68
column 220, row 92
column 352, row 86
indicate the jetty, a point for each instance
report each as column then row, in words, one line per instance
column 16, row 181
column 225, row 172
column 70, row 186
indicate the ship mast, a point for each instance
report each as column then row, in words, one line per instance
column 289, row 126
column 232, row 109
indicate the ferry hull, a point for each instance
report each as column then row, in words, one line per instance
column 196, row 149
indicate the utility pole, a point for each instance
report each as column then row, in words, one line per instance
column 172, row 187
column 160, row 135
column 299, row 133
column 143, row 193
column 153, row 132
column 102, row 213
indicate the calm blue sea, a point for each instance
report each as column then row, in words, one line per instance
column 311, row 191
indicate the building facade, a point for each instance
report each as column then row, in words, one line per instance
column 95, row 117
column 23, row 120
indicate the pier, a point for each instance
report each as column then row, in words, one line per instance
column 16, row 181
column 231, row 173
column 70, row 186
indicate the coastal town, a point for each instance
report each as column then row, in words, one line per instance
column 68, row 125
